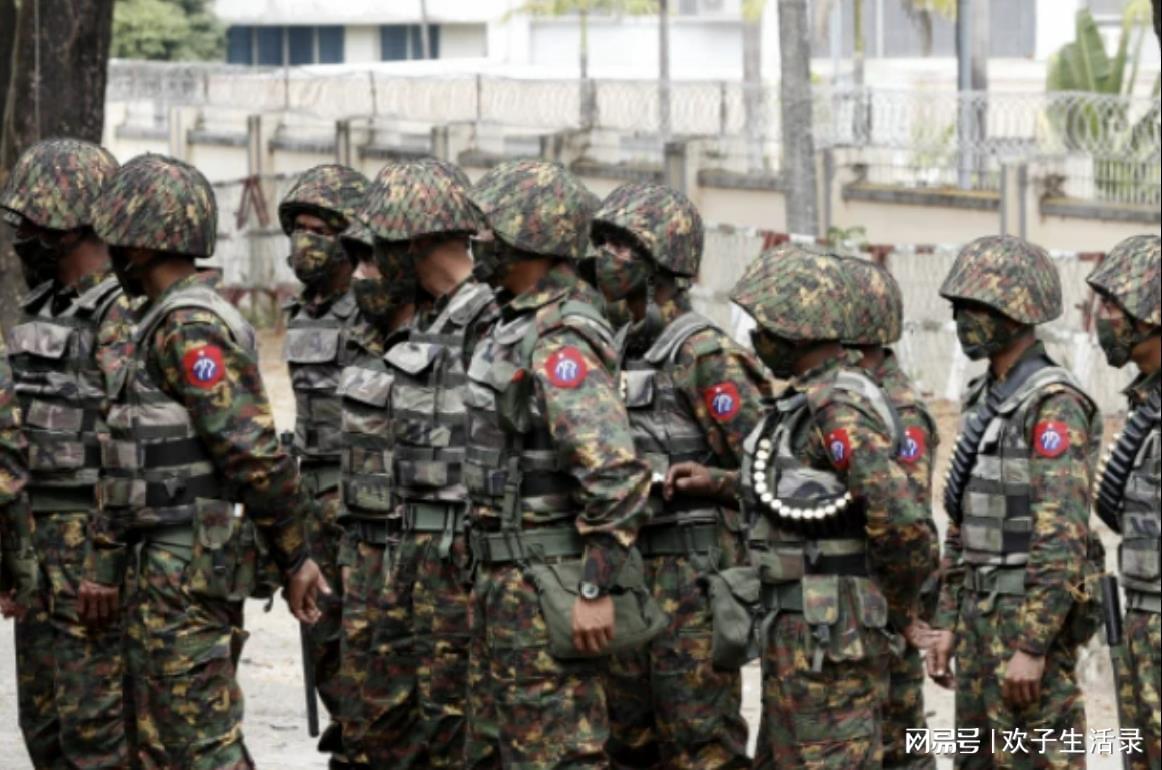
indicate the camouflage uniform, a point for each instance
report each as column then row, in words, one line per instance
column 836, row 535
column 692, row 395
column 551, row 470
column 878, row 322
column 1018, row 539
column 17, row 557
column 419, row 646
column 1127, row 497
column 319, row 323
column 68, row 342
column 192, row 439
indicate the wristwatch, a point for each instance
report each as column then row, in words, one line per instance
column 589, row 591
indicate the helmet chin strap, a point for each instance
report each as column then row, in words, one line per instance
column 643, row 333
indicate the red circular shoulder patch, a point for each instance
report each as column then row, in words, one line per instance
column 722, row 400
column 1050, row 438
column 203, row 366
column 839, row 447
column 566, row 368
column 913, row 445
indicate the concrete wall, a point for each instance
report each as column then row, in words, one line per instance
column 360, row 43
column 463, row 41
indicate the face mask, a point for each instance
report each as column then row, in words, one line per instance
column 777, row 353
column 312, row 255
column 486, row 266
column 1118, row 338
column 37, row 258
column 396, row 269
column 619, row 275
column 374, row 300
column 983, row 333
column 130, row 275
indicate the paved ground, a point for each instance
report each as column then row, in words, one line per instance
column 270, row 672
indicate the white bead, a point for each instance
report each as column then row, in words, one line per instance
column 767, row 498
column 765, row 445
column 761, row 488
column 760, row 464
column 831, row 510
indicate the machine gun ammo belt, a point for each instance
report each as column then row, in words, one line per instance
column 1112, row 488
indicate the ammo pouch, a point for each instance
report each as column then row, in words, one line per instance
column 637, row 616
column 229, row 561
column 736, row 611
column 847, row 614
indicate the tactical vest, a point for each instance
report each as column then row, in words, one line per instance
column 316, row 351
column 996, row 520
column 1141, row 513
column 157, row 471
column 428, row 421
column 664, row 431
column 802, row 519
column 61, row 390
column 512, row 468
column 364, row 392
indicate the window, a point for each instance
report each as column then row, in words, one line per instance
column 275, row 46
column 398, row 42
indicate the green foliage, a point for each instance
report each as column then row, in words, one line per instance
column 1084, row 64
column 166, row 30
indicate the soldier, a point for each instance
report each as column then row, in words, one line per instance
column 878, row 323
column 319, row 207
column 69, row 342
column 192, row 443
column 421, row 218
column 692, row 395
column 18, row 573
column 1018, row 536
column 557, row 491
column 1127, row 492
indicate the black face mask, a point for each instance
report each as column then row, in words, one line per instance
column 486, row 261
column 37, row 259
column 777, row 353
column 130, row 275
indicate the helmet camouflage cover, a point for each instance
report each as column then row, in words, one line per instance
column 159, row 203
column 55, row 183
column 798, row 292
column 1009, row 275
column 331, row 191
column 414, row 198
column 877, row 305
column 1131, row 274
column 536, row 206
column 660, row 219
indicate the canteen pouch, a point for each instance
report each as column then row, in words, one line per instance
column 734, row 609
column 226, row 560
column 637, row 616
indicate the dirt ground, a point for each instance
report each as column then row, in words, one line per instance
column 275, row 724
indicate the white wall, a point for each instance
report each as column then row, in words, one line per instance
column 463, row 41
column 360, row 43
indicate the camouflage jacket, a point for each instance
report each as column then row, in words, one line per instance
column 15, row 517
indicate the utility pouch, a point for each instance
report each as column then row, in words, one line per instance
column 735, row 609
column 225, row 559
column 637, row 616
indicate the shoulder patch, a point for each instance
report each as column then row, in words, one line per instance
column 913, row 445
column 839, row 448
column 1050, row 438
column 203, row 366
column 722, row 400
column 566, row 368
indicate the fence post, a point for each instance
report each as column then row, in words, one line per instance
column 440, row 147
column 1012, row 198
column 827, row 176
column 175, row 122
column 343, row 142
column 675, row 165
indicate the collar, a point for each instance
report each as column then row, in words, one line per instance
column 209, row 278
column 1036, row 350
column 553, row 285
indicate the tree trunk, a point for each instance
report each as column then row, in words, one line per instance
column 664, row 127
column 754, row 100
column 425, row 31
column 65, row 98
column 588, row 90
column 796, row 109
column 857, row 48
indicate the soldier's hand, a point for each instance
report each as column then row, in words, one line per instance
column 689, row 478
column 939, row 655
column 302, row 592
column 592, row 624
column 918, row 634
column 96, row 603
column 1022, row 684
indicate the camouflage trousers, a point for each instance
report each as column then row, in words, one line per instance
column 986, row 638
column 904, row 710
column 183, row 657
column 826, row 719
column 1138, row 663
column 537, row 711
column 323, row 535
column 418, row 666
column 362, row 604
column 69, row 677
column 668, row 706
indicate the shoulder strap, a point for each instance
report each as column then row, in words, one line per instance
column 855, row 381
column 577, row 315
column 675, row 335
column 197, row 298
column 36, row 296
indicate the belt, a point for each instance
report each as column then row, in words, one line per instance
column 1005, row 581
column 676, row 540
column 374, row 531
column 57, row 499
column 545, row 543
column 782, row 597
column 1140, row 600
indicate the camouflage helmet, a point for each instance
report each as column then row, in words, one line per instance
column 1009, row 275
column 877, row 305
column 1131, row 274
column 331, row 192
column 358, row 233
column 537, row 207
column 661, row 220
column 55, row 183
column 159, row 203
column 798, row 292
column 413, row 198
